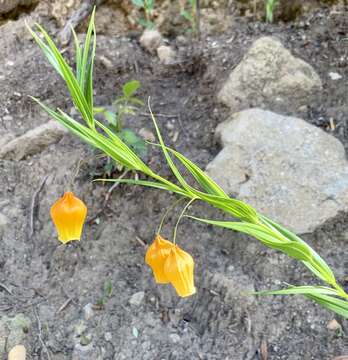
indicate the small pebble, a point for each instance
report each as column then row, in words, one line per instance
column 137, row 298
column 333, row 325
column 88, row 311
column 335, row 76
column 151, row 40
column 175, row 338
column 108, row 336
column 166, row 54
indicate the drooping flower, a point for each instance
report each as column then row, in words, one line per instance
column 68, row 215
column 155, row 257
column 178, row 269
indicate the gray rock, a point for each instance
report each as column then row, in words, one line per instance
column 5, row 139
column 86, row 352
column 137, row 298
column 175, row 338
column 8, row 5
column 33, row 141
column 286, row 168
column 88, row 311
column 4, row 221
column 269, row 75
column 151, row 40
column 166, row 54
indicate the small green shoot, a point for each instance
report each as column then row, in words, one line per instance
column 270, row 7
column 190, row 13
column 148, row 7
column 127, row 104
column 107, row 292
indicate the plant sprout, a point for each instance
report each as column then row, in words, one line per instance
column 148, row 6
column 243, row 218
column 192, row 14
column 270, row 7
column 127, row 104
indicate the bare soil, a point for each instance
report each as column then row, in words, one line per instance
column 218, row 322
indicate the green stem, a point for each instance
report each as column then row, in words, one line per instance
column 180, row 217
column 167, row 212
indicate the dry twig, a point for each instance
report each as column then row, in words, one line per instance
column 76, row 18
column 107, row 197
column 43, row 344
column 33, row 206
column 65, row 304
column 3, row 286
column 264, row 350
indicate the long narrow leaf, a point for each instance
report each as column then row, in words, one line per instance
column 166, row 153
column 303, row 290
column 71, row 82
column 291, row 248
column 146, row 183
column 320, row 267
column 337, row 305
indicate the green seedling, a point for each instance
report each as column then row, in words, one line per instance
column 148, row 7
column 190, row 13
column 270, row 7
column 107, row 292
column 127, row 104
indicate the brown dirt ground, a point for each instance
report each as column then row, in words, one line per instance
column 218, row 322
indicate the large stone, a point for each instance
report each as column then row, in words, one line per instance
column 270, row 76
column 286, row 168
column 33, row 141
column 9, row 5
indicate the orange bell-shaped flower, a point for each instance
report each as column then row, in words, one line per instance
column 178, row 269
column 69, row 214
column 155, row 257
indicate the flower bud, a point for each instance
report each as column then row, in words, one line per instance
column 68, row 215
column 178, row 269
column 155, row 257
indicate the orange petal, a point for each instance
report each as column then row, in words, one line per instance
column 68, row 215
column 179, row 269
column 155, row 257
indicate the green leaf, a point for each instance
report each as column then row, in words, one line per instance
column 166, row 154
column 303, row 290
column 128, row 136
column 207, row 183
column 149, row 4
column 318, row 266
column 186, row 15
column 130, row 87
column 78, row 55
column 135, row 101
column 324, row 296
column 110, row 117
column 151, row 184
column 337, row 305
column 267, row 237
column 107, row 288
column 146, row 23
column 134, row 141
column 57, row 60
column 138, row 3
column 216, row 196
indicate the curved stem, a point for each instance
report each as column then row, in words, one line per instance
column 180, row 217
column 167, row 212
